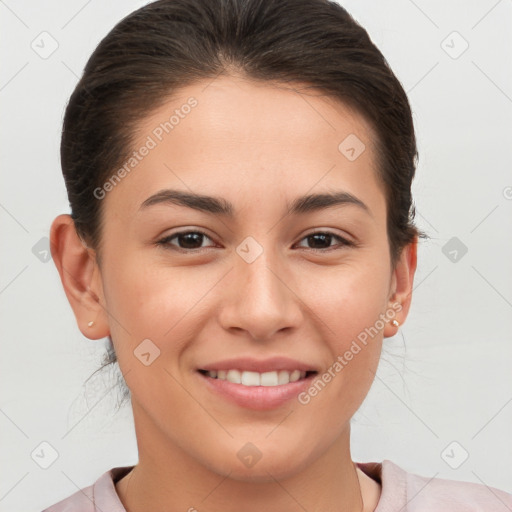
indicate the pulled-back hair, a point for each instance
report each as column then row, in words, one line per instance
column 166, row 45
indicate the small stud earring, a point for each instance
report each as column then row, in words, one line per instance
column 396, row 323
column 91, row 323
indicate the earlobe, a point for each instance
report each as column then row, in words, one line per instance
column 80, row 277
column 401, row 295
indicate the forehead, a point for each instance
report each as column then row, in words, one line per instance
column 238, row 111
column 250, row 140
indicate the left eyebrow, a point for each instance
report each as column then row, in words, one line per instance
column 220, row 206
column 314, row 202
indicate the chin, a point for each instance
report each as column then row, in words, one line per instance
column 249, row 464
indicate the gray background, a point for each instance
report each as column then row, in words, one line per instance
column 444, row 386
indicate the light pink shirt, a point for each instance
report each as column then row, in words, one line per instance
column 401, row 492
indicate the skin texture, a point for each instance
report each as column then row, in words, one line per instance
column 259, row 146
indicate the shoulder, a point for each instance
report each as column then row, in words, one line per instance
column 100, row 496
column 416, row 493
column 80, row 501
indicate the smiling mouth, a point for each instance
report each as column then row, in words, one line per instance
column 247, row 378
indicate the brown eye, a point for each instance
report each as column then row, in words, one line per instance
column 321, row 240
column 186, row 240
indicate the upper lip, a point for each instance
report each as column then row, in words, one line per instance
column 259, row 365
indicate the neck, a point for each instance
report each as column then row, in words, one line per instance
column 168, row 478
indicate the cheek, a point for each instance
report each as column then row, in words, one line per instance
column 347, row 300
column 349, row 303
column 151, row 313
column 155, row 302
column 141, row 294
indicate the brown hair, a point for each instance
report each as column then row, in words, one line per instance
column 169, row 44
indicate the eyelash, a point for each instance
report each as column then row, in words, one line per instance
column 164, row 242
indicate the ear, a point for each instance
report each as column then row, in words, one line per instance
column 80, row 276
column 400, row 294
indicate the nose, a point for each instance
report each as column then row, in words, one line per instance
column 259, row 298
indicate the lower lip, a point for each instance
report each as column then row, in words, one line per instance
column 257, row 397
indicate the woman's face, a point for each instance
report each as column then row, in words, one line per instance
column 256, row 292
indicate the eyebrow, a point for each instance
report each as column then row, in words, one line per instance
column 220, row 206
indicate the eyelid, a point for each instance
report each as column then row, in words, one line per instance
column 164, row 241
column 342, row 241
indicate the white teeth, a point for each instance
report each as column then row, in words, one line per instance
column 276, row 378
column 295, row 375
column 250, row 378
column 283, row 377
column 234, row 376
column 269, row 379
